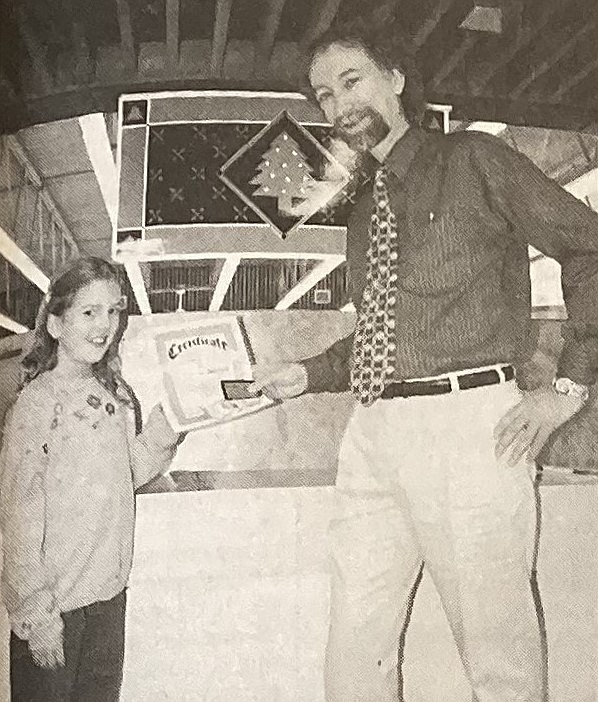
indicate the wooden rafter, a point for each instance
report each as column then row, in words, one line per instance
column 7, row 322
column 321, row 18
column 82, row 51
column 432, row 21
column 95, row 136
column 570, row 82
column 36, row 50
column 20, row 260
column 556, row 56
column 225, row 278
column 135, row 276
column 127, row 41
column 518, row 43
column 265, row 43
column 220, row 36
column 448, row 66
column 172, row 33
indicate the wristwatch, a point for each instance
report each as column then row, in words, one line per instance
column 566, row 386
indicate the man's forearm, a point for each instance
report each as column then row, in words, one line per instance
column 330, row 371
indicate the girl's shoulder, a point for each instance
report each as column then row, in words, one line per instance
column 35, row 391
column 33, row 403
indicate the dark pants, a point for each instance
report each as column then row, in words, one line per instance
column 94, row 644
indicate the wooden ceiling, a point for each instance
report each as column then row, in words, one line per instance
column 529, row 64
column 532, row 62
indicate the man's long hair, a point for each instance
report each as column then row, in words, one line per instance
column 388, row 47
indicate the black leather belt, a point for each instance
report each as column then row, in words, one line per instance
column 441, row 386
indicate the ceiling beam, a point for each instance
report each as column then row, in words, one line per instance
column 172, row 33
column 19, row 259
column 99, row 150
column 265, row 43
column 432, row 21
column 220, row 36
column 18, row 151
column 224, row 280
column 320, row 271
column 323, row 13
column 11, row 325
column 448, row 66
column 37, row 51
column 83, row 64
column 555, row 56
column 524, row 39
column 573, row 80
column 138, row 285
column 127, row 41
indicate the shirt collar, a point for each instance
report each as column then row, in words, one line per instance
column 404, row 151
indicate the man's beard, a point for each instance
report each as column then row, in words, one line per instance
column 375, row 128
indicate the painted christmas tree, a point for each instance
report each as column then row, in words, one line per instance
column 283, row 173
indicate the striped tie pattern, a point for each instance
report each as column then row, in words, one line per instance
column 374, row 341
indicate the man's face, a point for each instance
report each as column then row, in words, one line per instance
column 358, row 97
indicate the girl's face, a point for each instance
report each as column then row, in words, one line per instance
column 86, row 329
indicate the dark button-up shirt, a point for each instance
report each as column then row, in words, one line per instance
column 467, row 208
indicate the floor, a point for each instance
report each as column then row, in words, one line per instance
column 228, row 600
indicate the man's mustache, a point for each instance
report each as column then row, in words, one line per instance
column 374, row 130
column 351, row 117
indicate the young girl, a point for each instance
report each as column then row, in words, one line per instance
column 70, row 463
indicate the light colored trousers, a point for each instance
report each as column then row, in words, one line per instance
column 418, row 480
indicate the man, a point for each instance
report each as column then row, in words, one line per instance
column 437, row 463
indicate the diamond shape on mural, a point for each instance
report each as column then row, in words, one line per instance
column 279, row 174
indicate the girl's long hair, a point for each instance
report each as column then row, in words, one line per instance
column 77, row 275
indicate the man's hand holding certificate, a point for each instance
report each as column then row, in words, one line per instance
column 279, row 382
column 206, row 371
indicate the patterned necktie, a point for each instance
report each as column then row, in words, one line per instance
column 374, row 342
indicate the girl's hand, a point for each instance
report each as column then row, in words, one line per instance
column 159, row 428
column 47, row 648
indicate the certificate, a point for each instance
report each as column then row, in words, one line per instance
column 202, row 365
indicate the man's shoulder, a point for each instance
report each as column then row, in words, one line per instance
column 473, row 143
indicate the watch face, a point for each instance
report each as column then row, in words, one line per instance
column 566, row 386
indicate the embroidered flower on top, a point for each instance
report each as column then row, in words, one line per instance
column 94, row 401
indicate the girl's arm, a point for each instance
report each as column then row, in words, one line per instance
column 26, row 590
column 154, row 448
